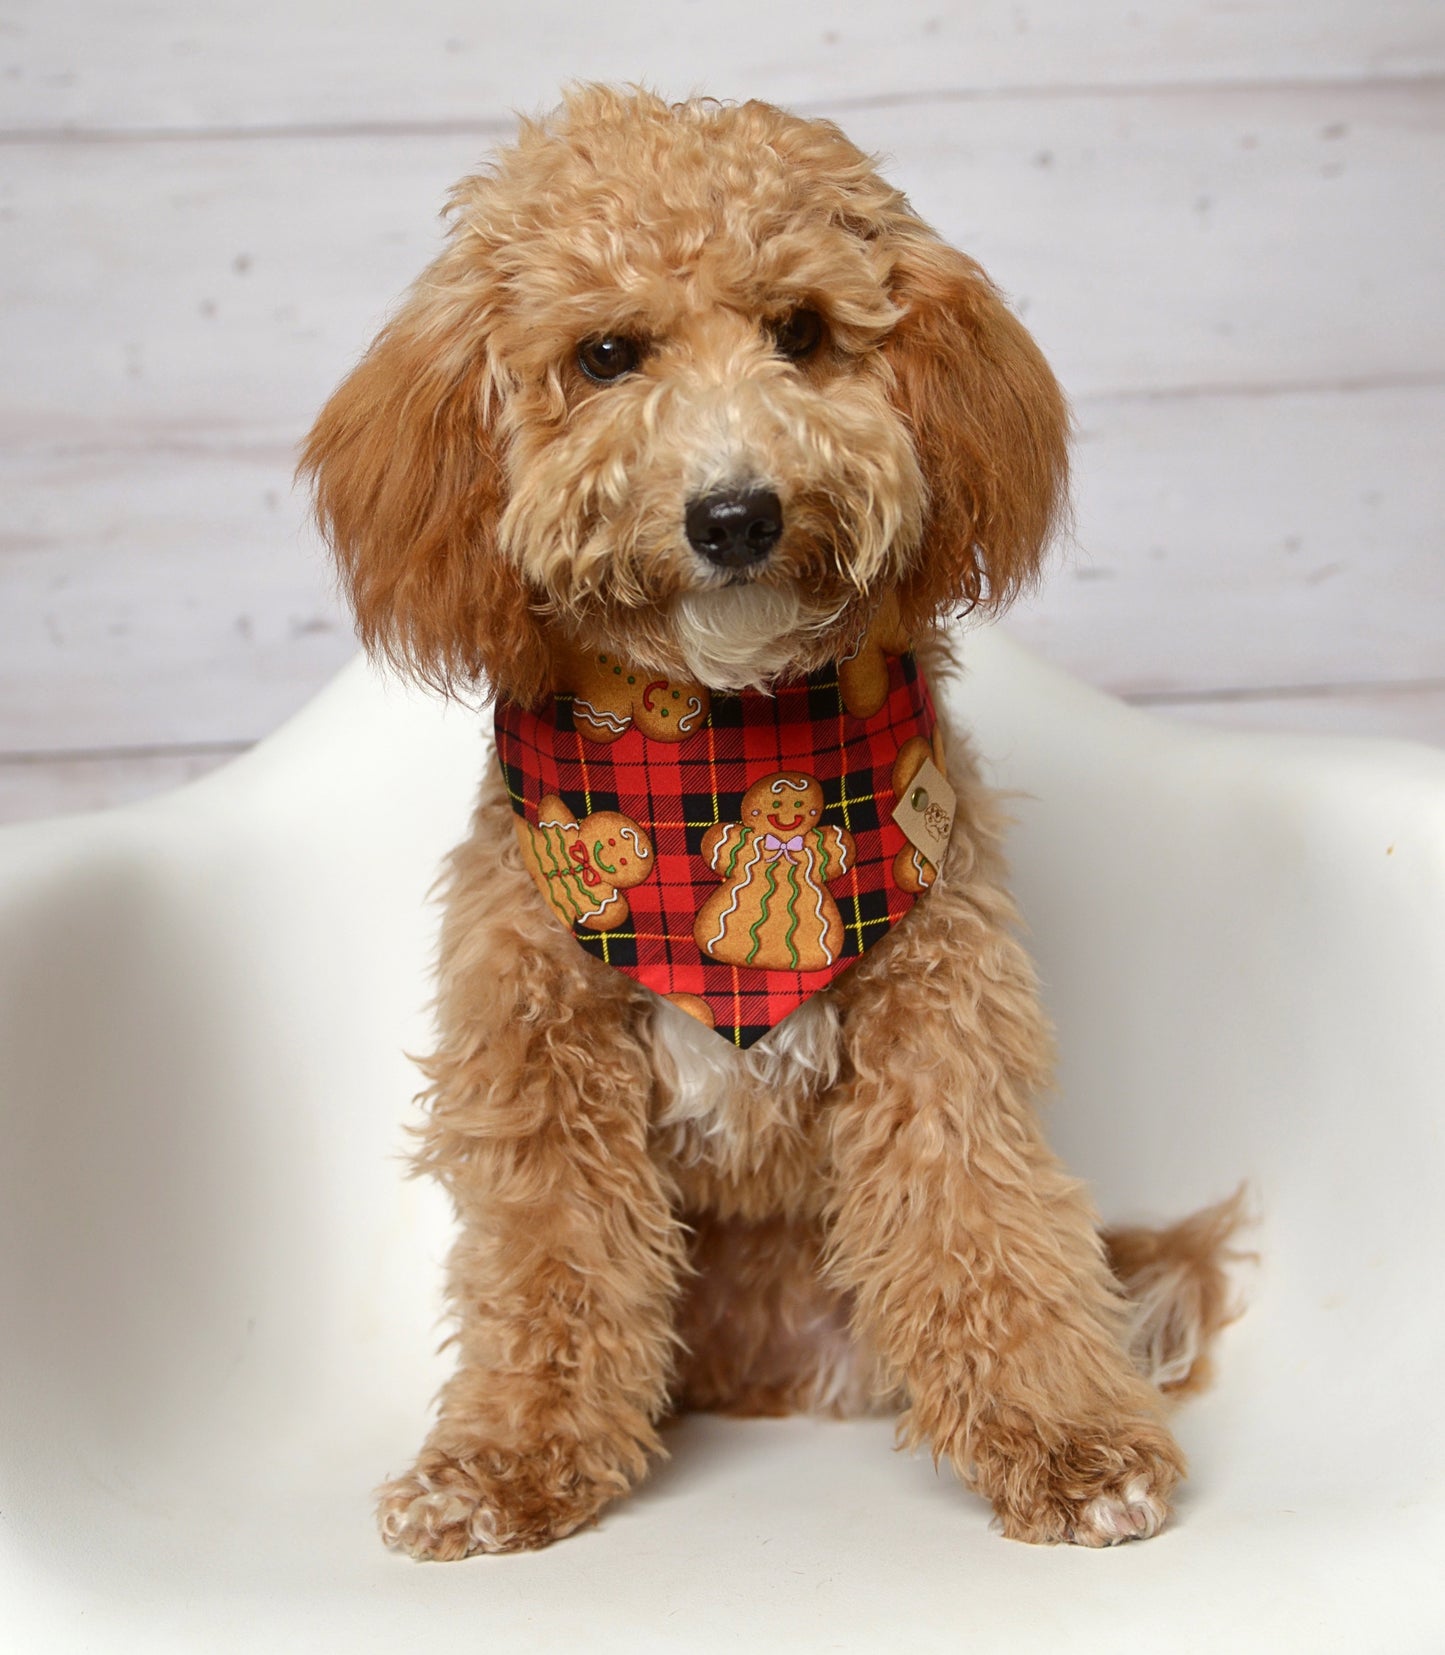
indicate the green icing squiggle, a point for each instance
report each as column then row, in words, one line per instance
column 762, row 918
column 792, row 916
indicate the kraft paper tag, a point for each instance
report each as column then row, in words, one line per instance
column 925, row 812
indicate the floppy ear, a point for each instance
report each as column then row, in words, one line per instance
column 409, row 487
column 990, row 428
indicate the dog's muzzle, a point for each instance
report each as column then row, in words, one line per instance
column 735, row 529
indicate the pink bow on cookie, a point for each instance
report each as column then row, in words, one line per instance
column 775, row 846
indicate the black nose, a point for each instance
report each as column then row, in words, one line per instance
column 735, row 529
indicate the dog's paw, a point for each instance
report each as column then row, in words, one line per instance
column 1135, row 1512
column 453, row 1505
column 1092, row 1491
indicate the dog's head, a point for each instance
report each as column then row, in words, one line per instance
column 691, row 383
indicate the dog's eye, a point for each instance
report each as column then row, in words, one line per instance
column 608, row 358
column 798, row 335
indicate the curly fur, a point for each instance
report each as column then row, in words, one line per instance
column 861, row 1210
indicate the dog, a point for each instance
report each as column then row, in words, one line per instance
column 695, row 419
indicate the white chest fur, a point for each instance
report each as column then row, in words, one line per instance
column 717, row 1102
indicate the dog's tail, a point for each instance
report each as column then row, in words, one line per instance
column 1179, row 1290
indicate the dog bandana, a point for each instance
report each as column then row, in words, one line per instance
column 732, row 852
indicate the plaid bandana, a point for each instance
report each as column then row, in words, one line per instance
column 732, row 852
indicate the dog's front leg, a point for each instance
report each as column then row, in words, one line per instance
column 974, row 1260
column 564, row 1275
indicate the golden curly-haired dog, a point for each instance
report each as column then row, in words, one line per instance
column 642, row 306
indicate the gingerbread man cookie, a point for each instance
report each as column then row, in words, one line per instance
column 863, row 675
column 582, row 868
column 773, row 909
column 609, row 696
column 912, row 871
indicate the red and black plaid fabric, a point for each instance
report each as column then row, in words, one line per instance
column 678, row 790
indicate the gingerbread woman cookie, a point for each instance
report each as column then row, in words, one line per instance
column 863, row 675
column 609, row 696
column 773, row 909
column 912, row 871
column 582, row 868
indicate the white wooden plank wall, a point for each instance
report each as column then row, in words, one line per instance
column 1224, row 219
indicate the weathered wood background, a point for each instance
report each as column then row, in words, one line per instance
column 1224, row 221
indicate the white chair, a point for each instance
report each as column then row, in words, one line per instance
column 219, row 1295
